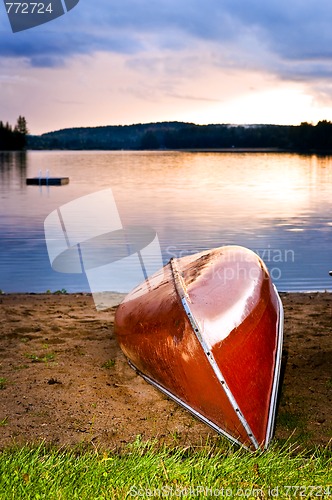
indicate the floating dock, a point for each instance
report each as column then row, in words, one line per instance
column 47, row 181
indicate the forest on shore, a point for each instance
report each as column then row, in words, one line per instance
column 179, row 135
column 172, row 136
column 13, row 138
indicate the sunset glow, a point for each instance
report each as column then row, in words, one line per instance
column 128, row 63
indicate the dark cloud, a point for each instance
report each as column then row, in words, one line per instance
column 128, row 26
column 296, row 36
column 294, row 30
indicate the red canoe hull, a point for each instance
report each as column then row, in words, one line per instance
column 207, row 331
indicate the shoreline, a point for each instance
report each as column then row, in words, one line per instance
column 65, row 381
column 310, row 152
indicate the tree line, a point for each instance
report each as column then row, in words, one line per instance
column 13, row 138
column 178, row 135
column 172, row 135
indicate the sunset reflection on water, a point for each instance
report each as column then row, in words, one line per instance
column 275, row 204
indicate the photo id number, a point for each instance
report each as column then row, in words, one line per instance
column 28, row 8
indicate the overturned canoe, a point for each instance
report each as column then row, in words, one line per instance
column 207, row 331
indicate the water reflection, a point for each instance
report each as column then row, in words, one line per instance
column 13, row 168
column 279, row 205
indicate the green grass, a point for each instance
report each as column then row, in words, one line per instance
column 4, row 422
column 36, row 358
column 145, row 470
column 3, row 383
column 109, row 364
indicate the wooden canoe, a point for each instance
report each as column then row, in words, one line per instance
column 207, row 331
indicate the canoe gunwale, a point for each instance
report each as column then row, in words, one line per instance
column 185, row 300
column 276, row 376
column 184, row 405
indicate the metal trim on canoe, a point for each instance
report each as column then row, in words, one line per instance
column 276, row 377
column 186, row 407
column 185, row 299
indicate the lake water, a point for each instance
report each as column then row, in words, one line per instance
column 279, row 205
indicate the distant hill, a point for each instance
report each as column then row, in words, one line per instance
column 112, row 137
column 179, row 135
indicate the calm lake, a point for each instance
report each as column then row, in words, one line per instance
column 277, row 204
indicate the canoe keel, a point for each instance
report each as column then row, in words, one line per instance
column 207, row 331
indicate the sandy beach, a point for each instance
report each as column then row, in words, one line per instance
column 64, row 380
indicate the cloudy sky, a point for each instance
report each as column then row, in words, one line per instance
column 134, row 61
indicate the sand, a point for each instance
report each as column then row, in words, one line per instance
column 64, row 380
